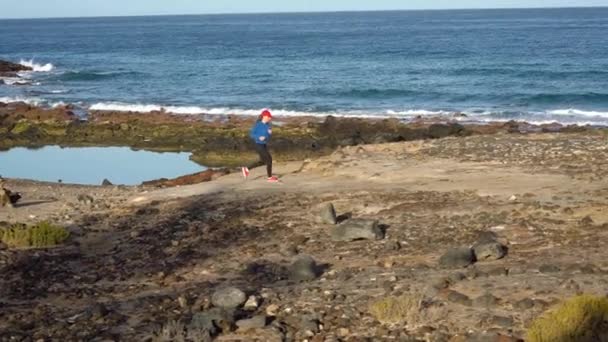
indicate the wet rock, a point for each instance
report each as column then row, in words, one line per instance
column 457, row 258
column 228, row 298
column 437, row 131
column 489, row 251
column 9, row 67
column 357, row 229
column 256, row 322
column 303, row 269
column 459, row 298
column 195, row 178
column 327, row 214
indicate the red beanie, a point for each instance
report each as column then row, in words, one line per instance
column 266, row 113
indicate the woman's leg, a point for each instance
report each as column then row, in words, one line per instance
column 265, row 157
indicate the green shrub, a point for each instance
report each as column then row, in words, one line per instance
column 40, row 235
column 579, row 319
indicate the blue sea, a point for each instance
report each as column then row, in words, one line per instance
column 538, row 65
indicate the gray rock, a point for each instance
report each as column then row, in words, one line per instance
column 327, row 214
column 309, row 324
column 524, row 304
column 485, row 301
column 489, row 251
column 357, row 229
column 457, row 257
column 256, row 322
column 392, row 246
column 211, row 322
column 228, row 298
column 501, row 321
column 86, row 199
column 457, row 277
column 303, row 269
column 459, row 298
column 549, row 269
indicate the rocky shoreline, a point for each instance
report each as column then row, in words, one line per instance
column 222, row 141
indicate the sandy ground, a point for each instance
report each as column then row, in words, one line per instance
column 153, row 257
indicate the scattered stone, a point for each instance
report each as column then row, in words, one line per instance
column 459, row 298
column 441, row 283
column 586, row 221
column 272, row 310
column 212, row 322
column 327, row 214
column 489, row 251
column 485, row 337
column 456, row 277
column 85, row 199
column 308, row 323
column 256, row 322
column 498, row 272
column 392, row 246
column 99, row 310
column 457, row 258
column 501, row 321
column 304, row 269
column 251, row 303
column 485, row 301
column 547, row 268
column 524, row 304
column 182, row 301
column 357, row 229
column 228, row 298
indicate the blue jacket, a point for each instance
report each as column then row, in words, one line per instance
column 260, row 129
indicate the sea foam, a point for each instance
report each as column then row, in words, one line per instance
column 37, row 67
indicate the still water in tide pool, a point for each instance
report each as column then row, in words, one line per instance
column 91, row 165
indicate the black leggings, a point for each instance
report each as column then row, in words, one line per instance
column 265, row 157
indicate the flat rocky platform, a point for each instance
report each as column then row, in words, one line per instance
column 223, row 141
column 142, row 263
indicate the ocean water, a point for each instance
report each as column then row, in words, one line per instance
column 91, row 165
column 539, row 65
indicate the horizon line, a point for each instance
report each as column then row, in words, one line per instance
column 302, row 12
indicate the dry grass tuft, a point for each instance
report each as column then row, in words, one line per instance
column 579, row 319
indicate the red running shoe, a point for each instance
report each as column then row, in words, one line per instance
column 273, row 179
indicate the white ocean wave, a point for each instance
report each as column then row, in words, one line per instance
column 34, row 101
column 37, row 67
column 578, row 112
column 14, row 81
